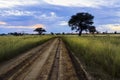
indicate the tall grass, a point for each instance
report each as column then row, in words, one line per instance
column 101, row 55
column 11, row 46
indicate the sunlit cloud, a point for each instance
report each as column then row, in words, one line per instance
column 109, row 27
column 24, row 27
column 39, row 26
column 114, row 27
column 2, row 23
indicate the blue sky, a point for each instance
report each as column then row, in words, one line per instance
column 53, row 15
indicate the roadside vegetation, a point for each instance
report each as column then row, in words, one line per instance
column 100, row 55
column 11, row 46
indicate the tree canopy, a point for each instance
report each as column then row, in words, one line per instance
column 40, row 30
column 81, row 21
column 92, row 29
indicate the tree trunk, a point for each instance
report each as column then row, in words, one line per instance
column 80, row 32
column 40, row 33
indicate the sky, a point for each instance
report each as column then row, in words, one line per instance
column 53, row 15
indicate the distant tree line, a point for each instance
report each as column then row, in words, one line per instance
column 16, row 34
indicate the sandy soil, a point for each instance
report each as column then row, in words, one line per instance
column 49, row 61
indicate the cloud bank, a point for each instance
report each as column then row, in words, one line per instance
column 14, row 3
column 109, row 27
column 83, row 3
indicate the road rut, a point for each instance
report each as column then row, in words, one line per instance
column 49, row 61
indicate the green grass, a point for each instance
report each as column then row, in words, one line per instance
column 100, row 54
column 11, row 46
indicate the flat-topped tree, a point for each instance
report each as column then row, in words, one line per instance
column 40, row 30
column 81, row 21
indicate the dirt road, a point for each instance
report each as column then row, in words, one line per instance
column 49, row 61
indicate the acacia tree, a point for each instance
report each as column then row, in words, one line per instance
column 81, row 21
column 40, row 30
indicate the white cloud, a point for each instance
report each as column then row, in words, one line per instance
column 63, row 23
column 53, row 14
column 84, row 3
column 15, row 13
column 24, row 27
column 14, row 3
column 2, row 23
column 109, row 27
column 16, row 27
column 49, row 17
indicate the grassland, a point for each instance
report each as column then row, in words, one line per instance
column 100, row 55
column 11, row 46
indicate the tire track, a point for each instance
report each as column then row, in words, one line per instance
column 50, row 61
column 17, row 68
